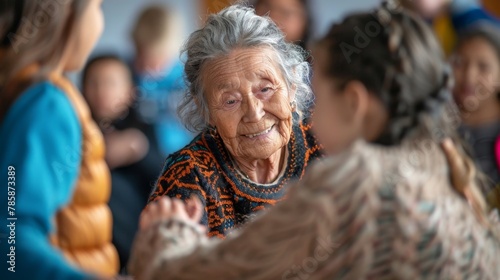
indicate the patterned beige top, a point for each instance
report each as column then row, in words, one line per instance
column 371, row 212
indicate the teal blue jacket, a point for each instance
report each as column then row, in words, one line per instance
column 40, row 138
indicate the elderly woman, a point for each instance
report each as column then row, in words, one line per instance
column 382, row 205
column 248, row 97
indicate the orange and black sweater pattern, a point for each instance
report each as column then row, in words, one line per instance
column 205, row 168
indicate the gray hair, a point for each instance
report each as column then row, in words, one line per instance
column 235, row 27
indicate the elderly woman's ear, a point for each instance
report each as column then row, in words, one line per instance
column 293, row 105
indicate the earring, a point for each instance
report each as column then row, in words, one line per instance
column 293, row 105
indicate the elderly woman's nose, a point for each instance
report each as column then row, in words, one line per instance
column 254, row 110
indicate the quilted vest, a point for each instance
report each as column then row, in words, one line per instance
column 84, row 226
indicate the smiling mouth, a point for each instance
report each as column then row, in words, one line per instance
column 260, row 133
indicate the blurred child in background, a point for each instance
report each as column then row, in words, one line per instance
column 293, row 17
column 476, row 64
column 158, row 75
column 134, row 163
column 51, row 146
column 108, row 89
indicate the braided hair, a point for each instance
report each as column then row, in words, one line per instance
column 397, row 58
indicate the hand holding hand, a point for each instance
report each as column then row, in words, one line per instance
column 172, row 208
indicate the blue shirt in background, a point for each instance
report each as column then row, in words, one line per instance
column 465, row 13
column 157, row 99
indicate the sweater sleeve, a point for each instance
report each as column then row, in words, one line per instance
column 293, row 240
column 40, row 143
column 180, row 179
column 350, row 218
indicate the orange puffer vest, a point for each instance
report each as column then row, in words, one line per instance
column 84, row 226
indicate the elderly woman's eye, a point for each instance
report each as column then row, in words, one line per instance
column 230, row 102
column 266, row 89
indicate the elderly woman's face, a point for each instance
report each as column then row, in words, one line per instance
column 249, row 102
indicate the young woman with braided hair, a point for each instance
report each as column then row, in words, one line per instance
column 383, row 204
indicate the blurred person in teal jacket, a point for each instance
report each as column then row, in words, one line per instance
column 158, row 76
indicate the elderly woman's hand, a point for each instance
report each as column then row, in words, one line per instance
column 169, row 228
column 172, row 208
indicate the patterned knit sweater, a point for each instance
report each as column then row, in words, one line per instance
column 369, row 213
column 205, row 168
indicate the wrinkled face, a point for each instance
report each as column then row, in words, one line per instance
column 477, row 73
column 289, row 15
column 248, row 102
column 108, row 89
column 332, row 122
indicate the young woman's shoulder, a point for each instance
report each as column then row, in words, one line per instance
column 357, row 169
column 46, row 105
column 374, row 168
column 41, row 133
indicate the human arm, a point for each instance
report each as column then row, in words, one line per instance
column 307, row 227
column 125, row 147
column 180, row 179
column 41, row 140
column 351, row 217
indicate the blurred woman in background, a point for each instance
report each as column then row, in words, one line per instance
column 293, row 17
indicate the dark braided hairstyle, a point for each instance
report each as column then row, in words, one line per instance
column 396, row 56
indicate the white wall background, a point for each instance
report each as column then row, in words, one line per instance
column 120, row 15
column 327, row 11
